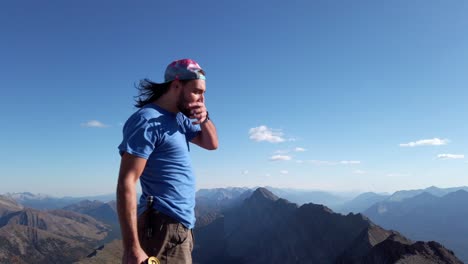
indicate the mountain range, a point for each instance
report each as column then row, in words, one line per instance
column 426, row 216
column 104, row 212
column 276, row 229
column 44, row 201
column 361, row 202
column 46, row 237
column 211, row 203
column 268, row 229
column 300, row 197
column 339, row 202
column 439, row 192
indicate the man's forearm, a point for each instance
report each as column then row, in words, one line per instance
column 126, row 209
column 209, row 136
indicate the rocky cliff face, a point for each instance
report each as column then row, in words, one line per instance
column 8, row 205
column 47, row 237
column 428, row 217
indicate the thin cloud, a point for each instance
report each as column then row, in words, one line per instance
column 280, row 157
column 450, row 156
column 426, row 142
column 321, row 162
column 326, row 162
column 359, row 172
column 263, row 133
column 245, row 172
column 285, row 151
column 94, row 123
column 350, row 162
column 284, row 172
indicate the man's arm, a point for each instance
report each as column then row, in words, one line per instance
column 208, row 137
column 131, row 168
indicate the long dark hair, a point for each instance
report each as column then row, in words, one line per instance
column 150, row 91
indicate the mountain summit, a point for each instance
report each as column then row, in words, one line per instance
column 263, row 194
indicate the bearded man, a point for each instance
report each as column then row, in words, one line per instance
column 155, row 150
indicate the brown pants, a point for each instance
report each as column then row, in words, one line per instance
column 163, row 237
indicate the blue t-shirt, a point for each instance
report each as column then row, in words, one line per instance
column 163, row 139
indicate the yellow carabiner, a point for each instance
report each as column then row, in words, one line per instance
column 153, row 260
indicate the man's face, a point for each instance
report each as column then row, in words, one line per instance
column 193, row 91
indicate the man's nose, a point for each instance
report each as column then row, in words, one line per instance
column 201, row 99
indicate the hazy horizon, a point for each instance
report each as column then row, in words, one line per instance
column 344, row 193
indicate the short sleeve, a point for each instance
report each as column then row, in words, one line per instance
column 138, row 137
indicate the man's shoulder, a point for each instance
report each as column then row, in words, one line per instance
column 147, row 113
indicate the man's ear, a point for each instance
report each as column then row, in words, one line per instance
column 175, row 84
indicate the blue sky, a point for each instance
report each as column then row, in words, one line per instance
column 329, row 95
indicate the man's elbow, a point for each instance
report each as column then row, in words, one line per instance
column 212, row 146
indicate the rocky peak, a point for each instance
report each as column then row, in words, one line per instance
column 262, row 194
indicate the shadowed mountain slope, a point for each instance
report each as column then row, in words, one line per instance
column 428, row 217
column 47, row 237
column 267, row 229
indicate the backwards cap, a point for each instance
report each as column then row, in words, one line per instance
column 184, row 69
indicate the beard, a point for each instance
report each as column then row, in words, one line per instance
column 182, row 105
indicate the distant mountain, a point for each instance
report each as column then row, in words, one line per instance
column 47, row 237
column 269, row 229
column 361, row 203
column 104, row 212
column 428, row 217
column 220, row 194
column 210, row 203
column 307, row 196
column 401, row 195
column 47, row 202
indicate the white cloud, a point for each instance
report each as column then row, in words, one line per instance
column 450, row 156
column 94, row 123
column 263, row 133
column 284, row 172
column 320, row 162
column 359, row 172
column 280, row 157
column 245, row 172
column 326, row 162
column 268, row 175
column 426, row 142
column 350, row 162
column 284, row 151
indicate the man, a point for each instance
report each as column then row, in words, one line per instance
column 155, row 149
